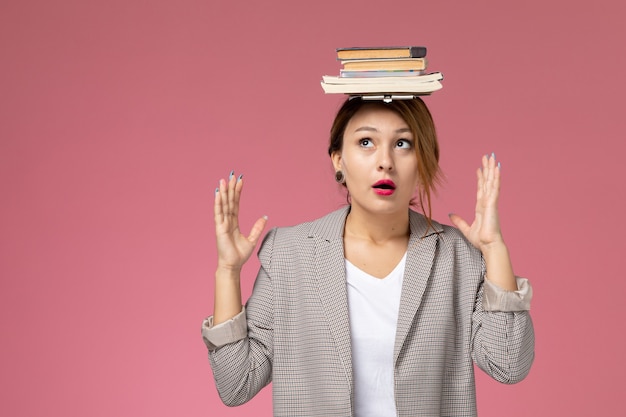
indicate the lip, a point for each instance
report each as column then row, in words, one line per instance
column 391, row 187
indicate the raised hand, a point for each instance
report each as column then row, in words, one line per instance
column 484, row 232
column 233, row 248
column 485, row 229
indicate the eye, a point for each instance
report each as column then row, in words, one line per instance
column 404, row 144
column 365, row 143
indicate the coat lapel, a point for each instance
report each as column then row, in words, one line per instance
column 419, row 262
column 331, row 273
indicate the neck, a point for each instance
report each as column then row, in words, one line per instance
column 377, row 228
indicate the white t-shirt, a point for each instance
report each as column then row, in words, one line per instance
column 373, row 304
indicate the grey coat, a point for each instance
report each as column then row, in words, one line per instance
column 295, row 329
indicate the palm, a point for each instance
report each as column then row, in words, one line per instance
column 233, row 248
column 485, row 229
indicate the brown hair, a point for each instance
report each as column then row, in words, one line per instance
column 417, row 116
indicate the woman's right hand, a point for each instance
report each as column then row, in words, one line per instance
column 233, row 248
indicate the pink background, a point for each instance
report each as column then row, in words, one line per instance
column 118, row 118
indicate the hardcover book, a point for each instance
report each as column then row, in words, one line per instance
column 381, row 52
column 413, row 64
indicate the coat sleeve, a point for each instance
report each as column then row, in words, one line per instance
column 241, row 368
column 503, row 339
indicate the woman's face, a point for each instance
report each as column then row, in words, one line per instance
column 378, row 160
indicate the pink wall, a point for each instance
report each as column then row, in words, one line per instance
column 118, row 118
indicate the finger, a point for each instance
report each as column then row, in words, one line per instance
column 231, row 189
column 217, row 208
column 485, row 162
column 224, row 200
column 460, row 223
column 489, row 174
column 233, row 208
column 480, row 186
column 494, row 179
column 257, row 229
column 237, row 196
column 496, row 174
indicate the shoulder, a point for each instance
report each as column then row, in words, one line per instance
column 455, row 259
column 420, row 226
column 291, row 239
column 451, row 241
column 455, row 249
column 329, row 226
column 452, row 237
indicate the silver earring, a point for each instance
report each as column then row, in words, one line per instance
column 339, row 177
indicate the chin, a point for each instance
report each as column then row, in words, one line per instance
column 385, row 207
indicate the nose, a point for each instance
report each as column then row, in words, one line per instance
column 385, row 160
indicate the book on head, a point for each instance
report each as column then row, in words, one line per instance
column 381, row 52
column 381, row 73
column 406, row 79
column 385, row 76
column 387, row 89
column 383, row 87
column 409, row 64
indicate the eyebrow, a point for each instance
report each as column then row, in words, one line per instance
column 373, row 129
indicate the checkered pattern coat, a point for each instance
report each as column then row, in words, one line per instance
column 295, row 329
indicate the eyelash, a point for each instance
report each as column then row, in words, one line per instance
column 409, row 144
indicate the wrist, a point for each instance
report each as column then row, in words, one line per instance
column 494, row 249
column 498, row 264
column 227, row 272
column 227, row 294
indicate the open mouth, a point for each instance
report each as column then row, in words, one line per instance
column 384, row 187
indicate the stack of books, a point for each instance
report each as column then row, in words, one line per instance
column 385, row 71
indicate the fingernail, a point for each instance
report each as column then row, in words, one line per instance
column 265, row 217
column 239, row 177
column 231, row 175
column 493, row 155
column 499, row 166
column 217, row 190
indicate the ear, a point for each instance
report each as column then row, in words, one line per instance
column 336, row 158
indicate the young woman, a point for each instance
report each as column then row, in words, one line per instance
column 374, row 309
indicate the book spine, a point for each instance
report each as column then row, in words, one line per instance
column 418, row 51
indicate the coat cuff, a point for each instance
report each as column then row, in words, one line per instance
column 224, row 333
column 497, row 299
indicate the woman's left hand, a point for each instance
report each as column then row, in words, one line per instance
column 484, row 232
